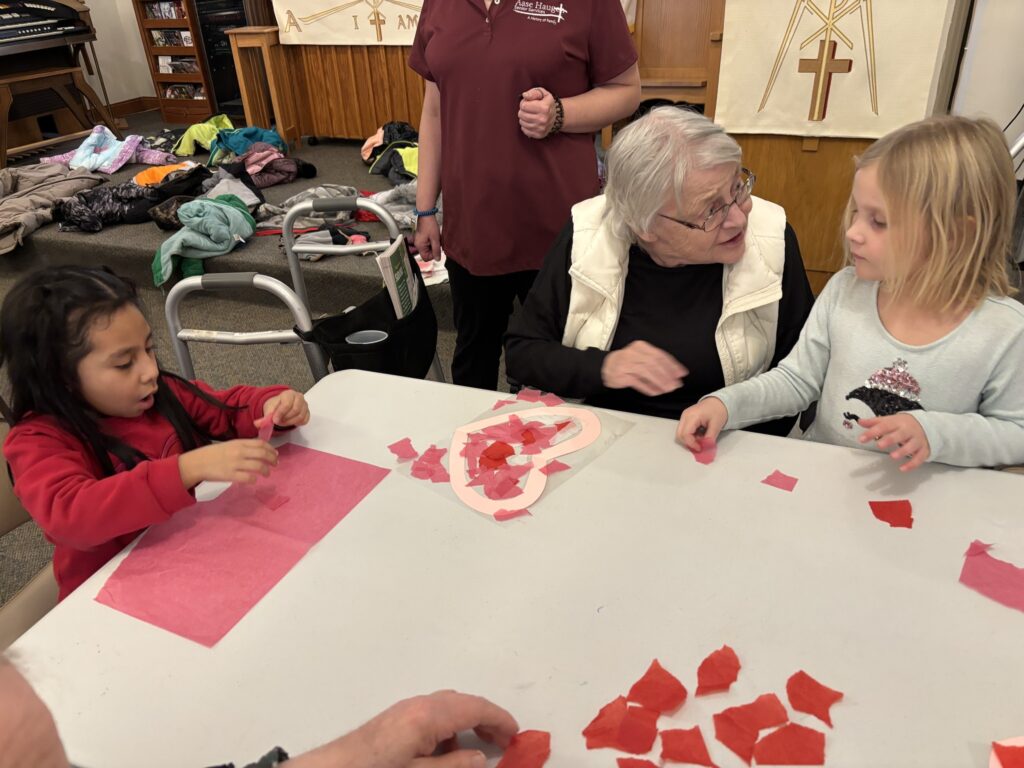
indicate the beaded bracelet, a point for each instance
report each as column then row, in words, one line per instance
column 420, row 214
column 559, row 117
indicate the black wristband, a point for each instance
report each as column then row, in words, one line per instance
column 559, row 117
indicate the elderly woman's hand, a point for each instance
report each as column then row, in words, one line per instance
column 537, row 113
column 644, row 367
column 706, row 419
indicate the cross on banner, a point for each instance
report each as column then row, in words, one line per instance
column 823, row 68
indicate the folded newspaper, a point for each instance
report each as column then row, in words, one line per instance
column 399, row 278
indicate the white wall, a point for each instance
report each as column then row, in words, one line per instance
column 119, row 49
column 991, row 79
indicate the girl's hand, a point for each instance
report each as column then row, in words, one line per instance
column 234, row 461
column 428, row 238
column 705, row 419
column 289, row 409
column 902, row 432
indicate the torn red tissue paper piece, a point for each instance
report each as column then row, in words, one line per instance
column 1007, row 754
column 528, row 749
column 685, row 745
column 995, row 579
column 780, row 480
column 510, row 514
column 501, row 404
column 634, row 762
column 496, row 455
column 403, row 449
column 619, row 726
column 808, row 695
column 658, row 689
column 898, row 514
column 554, row 466
column 738, row 727
column 268, row 425
column 707, row 452
column 791, row 745
column 718, row 671
column 529, row 395
column 429, row 467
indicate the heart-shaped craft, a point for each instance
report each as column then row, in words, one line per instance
column 494, row 454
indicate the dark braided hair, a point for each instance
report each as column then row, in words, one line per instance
column 44, row 335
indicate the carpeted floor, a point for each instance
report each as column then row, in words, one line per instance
column 334, row 283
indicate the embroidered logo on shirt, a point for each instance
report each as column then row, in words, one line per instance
column 887, row 391
column 537, row 10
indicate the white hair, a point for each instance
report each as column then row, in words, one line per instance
column 650, row 159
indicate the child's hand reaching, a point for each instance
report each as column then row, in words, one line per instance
column 902, row 432
column 706, row 419
column 289, row 408
column 234, row 461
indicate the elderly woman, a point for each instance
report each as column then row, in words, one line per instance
column 674, row 282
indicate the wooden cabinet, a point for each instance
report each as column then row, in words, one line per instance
column 173, row 43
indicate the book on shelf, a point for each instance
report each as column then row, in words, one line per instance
column 186, row 38
column 166, row 9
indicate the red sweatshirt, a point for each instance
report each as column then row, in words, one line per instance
column 89, row 517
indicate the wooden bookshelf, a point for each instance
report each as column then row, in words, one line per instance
column 157, row 29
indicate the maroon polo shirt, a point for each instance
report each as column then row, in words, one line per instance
column 506, row 196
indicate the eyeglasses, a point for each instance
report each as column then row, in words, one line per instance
column 741, row 193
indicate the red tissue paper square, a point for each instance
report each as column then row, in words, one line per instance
column 658, row 689
column 718, row 671
column 791, row 745
column 808, row 695
column 685, row 746
column 528, row 749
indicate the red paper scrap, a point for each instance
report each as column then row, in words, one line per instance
column 1007, row 755
column 707, row 452
column 780, row 480
column 995, row 579
column 403, row 449
column 199, row 573
column 619, row 726
column 634, row 762
column 551, row 400
column 267, row 429
column 554, row 466
column 529, row 395
column 658, row 689
column 501, row 404
column 718, row 671
column 510, row 514
column 428, row 466
column 685, row 746
column 738, row 727
column 496, row 455
column 791, row 745
column 528, row 749
column 898, row 514
column 808, row 695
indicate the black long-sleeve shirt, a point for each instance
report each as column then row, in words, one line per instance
column 673, row 308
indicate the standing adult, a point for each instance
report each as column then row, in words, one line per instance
column 514, row 91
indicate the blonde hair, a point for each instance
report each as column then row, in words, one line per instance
column 948, row 186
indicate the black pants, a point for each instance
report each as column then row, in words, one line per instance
column 482, row 307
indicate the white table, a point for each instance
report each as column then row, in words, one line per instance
column 644, row 554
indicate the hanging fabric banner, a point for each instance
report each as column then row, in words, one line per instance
column 347, row 22
column 857, row 68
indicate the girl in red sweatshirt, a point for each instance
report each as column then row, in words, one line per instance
column 104, row 443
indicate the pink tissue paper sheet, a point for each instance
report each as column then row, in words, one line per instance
column 995, row 579
column 780, row 480
column 199, row 573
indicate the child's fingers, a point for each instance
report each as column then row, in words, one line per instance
column 916, row 460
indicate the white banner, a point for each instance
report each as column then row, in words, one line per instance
column 347, row 22
column 856, row 68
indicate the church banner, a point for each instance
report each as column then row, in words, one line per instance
column 347, row 22
column 856, row 68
